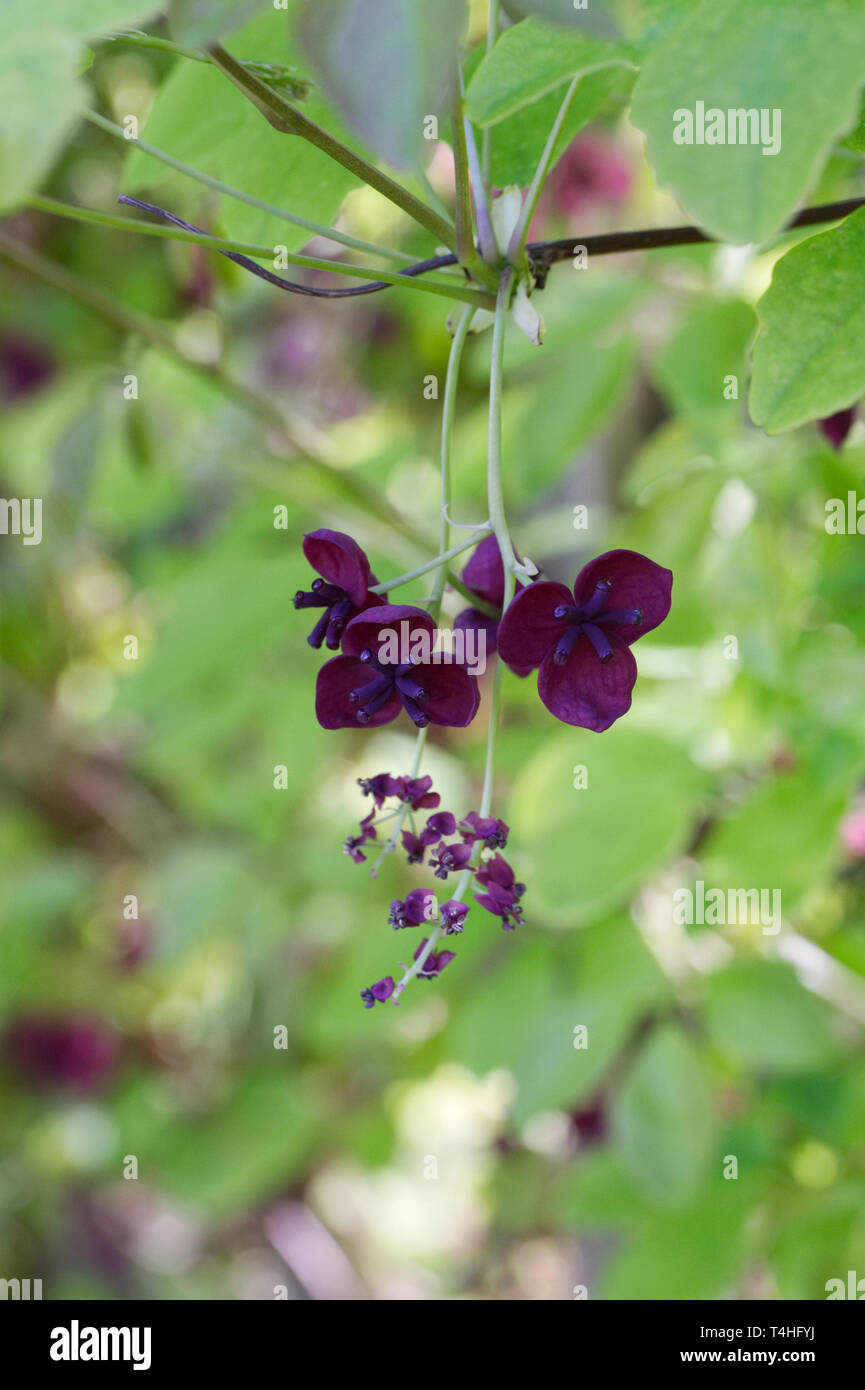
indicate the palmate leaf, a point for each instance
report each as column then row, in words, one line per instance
column 203, row 120
column 41, row 93
column 809, row 355
column 805, row 61
column 531, row 60
column 385, row 64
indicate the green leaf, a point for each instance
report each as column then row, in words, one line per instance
column 664, row 1121
column 587, row 849
column 197, row 21
column 809, row 354
column 708, row 346
column 529, row 61
column 805, row 61
column 203, row 120
column 41, row 92
column 385, row 65
column 520, row 140
column 757, row 1011
column 597, row 17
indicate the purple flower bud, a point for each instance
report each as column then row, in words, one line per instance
column 352, row 845
column 437, row 827
column 434, row 964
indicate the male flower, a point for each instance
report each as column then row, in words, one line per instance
column 419, row 907
column 434, row 964
column 359, row 688
column 582, row 641
column 502, row 895
column 343, row 587
column 378, row 993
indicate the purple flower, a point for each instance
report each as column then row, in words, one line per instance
column 343, row 588
column 484, row 575
column 502, row 892
column 582, row 642
column 378, row 993
column 352, row 845
column 453, row 917
column 835, row 428
column 419, row 907
column 416, row 791
column 360, row 688
column 434, row 964
column 437, row 826
column 494, row 833
column 69, row 1051
column 449, row 858
column 380, row 787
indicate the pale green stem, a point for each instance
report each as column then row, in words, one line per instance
column 430, row 284
column 527, row 212
column 487, row 136
column 496, row 513
column 446, row 449
column 390, row 844
column 287, row 119
column 207, row 181
column 440, row 560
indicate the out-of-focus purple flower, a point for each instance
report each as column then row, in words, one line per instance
column 835, row 428
column 590, row 173
column 434, row 963
column 74, row 1052
column 502, row 894
column 360, row 689
column 582, row 641
column 591, row 1122
column 377, row 993
column 352, row 846
column 419, row 907
column 494, row 833
column 25, row 366
column 453, row 915
column 449, row 859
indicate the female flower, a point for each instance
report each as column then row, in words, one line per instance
column 361, row 688
column 342, row 589
column 582, row 641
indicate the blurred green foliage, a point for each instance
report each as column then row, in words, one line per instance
column 301, row 1157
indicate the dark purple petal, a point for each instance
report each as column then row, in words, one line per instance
column 528, row 630
column 835, row 428
column 485, row 574
column 378, row 993
column 453, row 695
column 635, row 583
column 339, row 560
column 362, row 633
column 473, row 620
column 336, row 679
column 586, row 691
column 444, row 823
column 454, row 914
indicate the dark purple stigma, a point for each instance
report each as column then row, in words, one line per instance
column 388, row 681
column 338, row 609
column 588, row 621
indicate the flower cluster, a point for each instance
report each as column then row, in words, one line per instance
column 387, row 663
column 446, row 846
